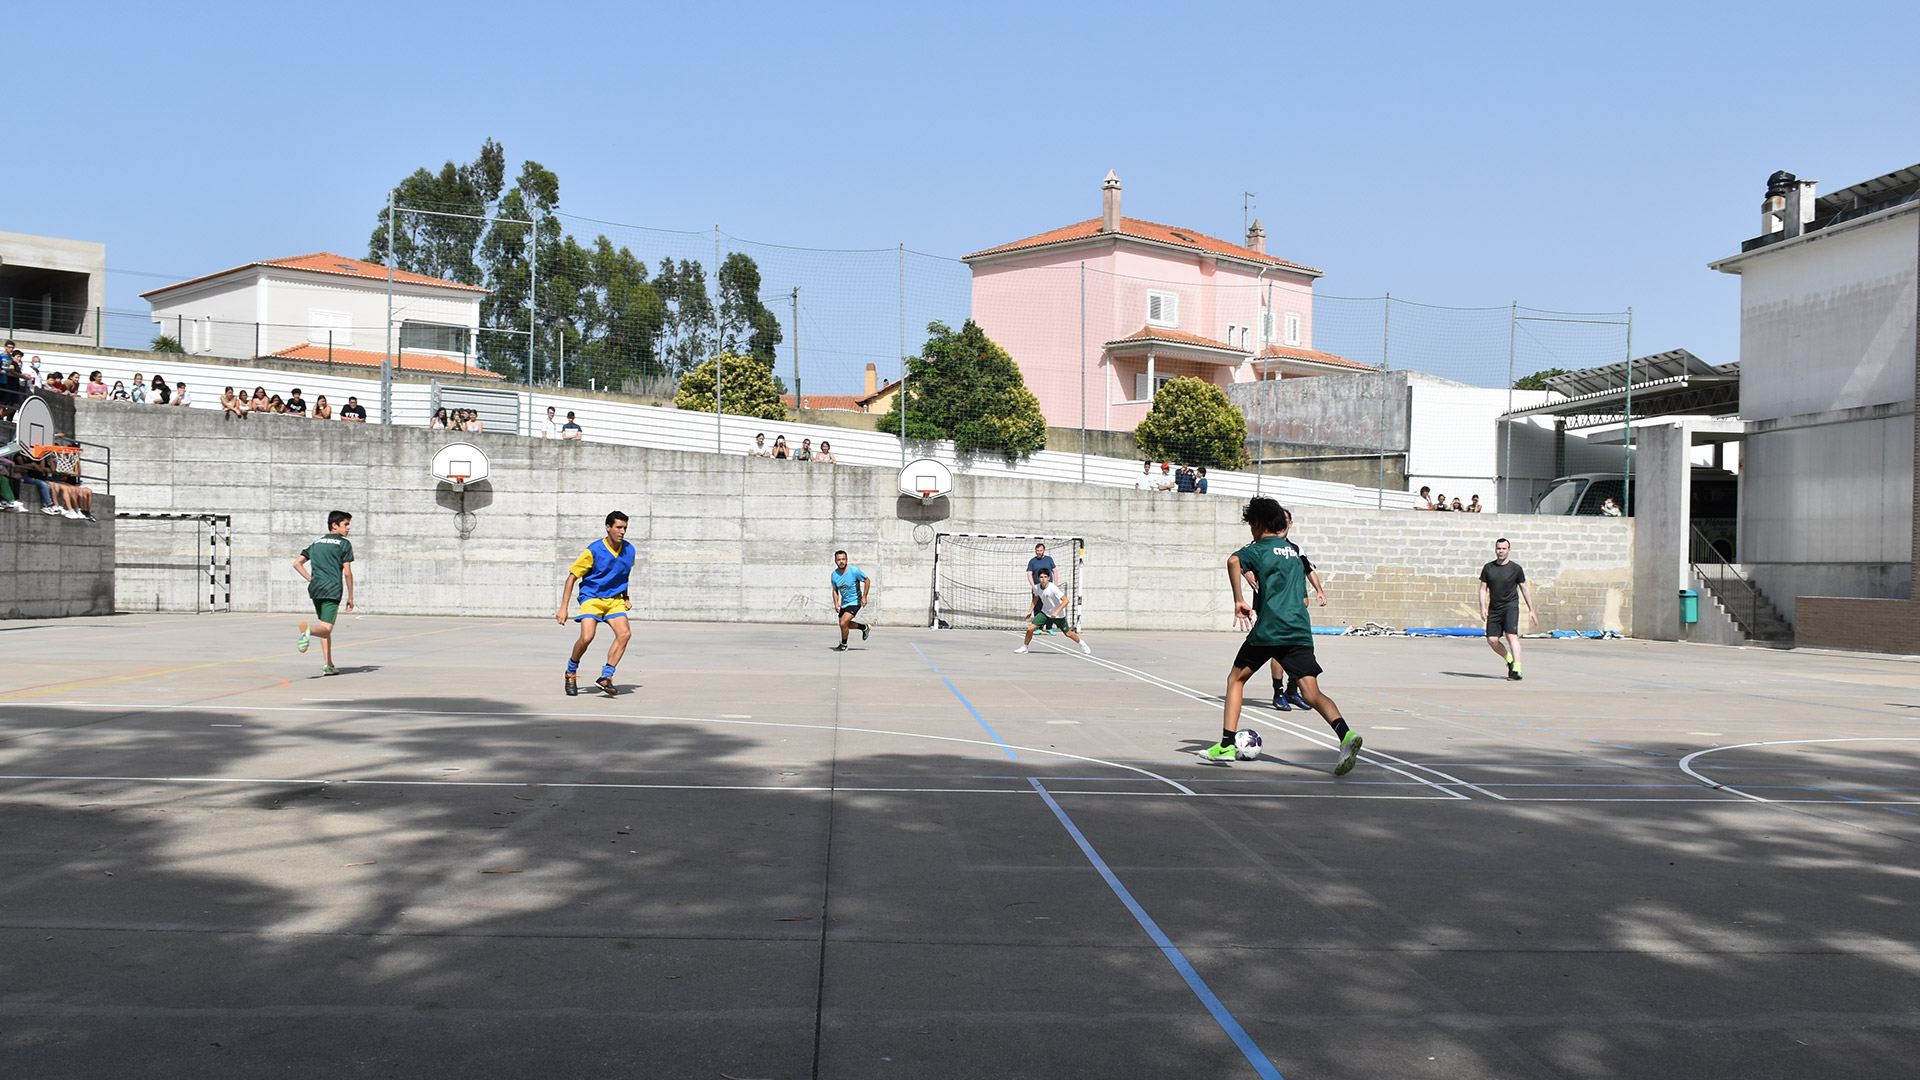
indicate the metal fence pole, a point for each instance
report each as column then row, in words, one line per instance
column 902, row 396
column 386, row 362
column 1386, row 362
column 1083, row 376
column 1506, row 470
column 718, row 434
column 1626, row 429
column 99, row 325
column 533, row 306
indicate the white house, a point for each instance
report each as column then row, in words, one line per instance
column 1827, row 365
column 324, row 308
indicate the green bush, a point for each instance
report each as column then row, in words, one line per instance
column 966, row 388
column 746, row 388
column 1193, row 422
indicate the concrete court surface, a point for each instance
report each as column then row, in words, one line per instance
column 928, row 857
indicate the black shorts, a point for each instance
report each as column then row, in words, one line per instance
column 1502, row 621
column 850, row 609
column 1296, row 660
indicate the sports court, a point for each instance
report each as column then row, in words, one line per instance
column 930, row 857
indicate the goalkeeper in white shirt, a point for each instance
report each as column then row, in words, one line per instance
column 1051, row 612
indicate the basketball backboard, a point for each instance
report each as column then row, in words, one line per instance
column 459, row 464
column 926, row 479
column 32, row 426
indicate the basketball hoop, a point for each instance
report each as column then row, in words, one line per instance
column 458, row 480
column 64, row 459
column 928, row 495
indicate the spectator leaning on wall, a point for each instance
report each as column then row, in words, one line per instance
column 352, row 411
column 571, row 429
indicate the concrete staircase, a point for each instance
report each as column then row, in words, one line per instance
column 1762, row 623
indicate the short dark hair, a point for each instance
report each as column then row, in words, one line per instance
column 1264, row 512
column 842, row 551
column 614, row 516
column 1203, row 470
column 1424, row 489
column 1503, row 540
column 1043, row 573
column 1039, row 545
column 335, row 517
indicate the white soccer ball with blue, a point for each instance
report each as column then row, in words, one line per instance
column 1246, row 744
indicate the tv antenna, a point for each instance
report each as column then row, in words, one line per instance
column 1246, row 210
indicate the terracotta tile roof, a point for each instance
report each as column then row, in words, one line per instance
column 413, row 361
column 1174, row 337
column 1190, row 239
column 1313, row 356
column 325, row 262
column 846, row 402
column 879, row 393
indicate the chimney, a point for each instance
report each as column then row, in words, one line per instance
column 1788, row 207
column 1110, row 203
column 873, row 380
column 1257, row 238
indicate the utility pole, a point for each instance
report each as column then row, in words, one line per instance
column 386, row 363
column 796, row 346
column 533, row 304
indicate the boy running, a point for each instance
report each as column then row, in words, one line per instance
column 1050, row 612
column 850, row 585
column 1282, row 631
column 330, row 579
column 601, row 571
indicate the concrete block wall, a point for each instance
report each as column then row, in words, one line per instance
column 53, row 567
column 729, row 538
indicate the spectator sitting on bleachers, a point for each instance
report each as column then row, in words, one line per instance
column 119, row 391
column 473, row 423
column 825, row 453
column 74, row 387
column 438, row 421
column 74, row 498
column 139, row 391
column 780, row 450
column 162, row 393
column 322, row 410
column 96, row 389
column 56, row 384
column 296, row 405
column 571, row 429
column 24, row 479
column 260, row 402
column 180, row 395
column 1183, row 480
column 805, row 453
column 353, row 410
column 233, row 406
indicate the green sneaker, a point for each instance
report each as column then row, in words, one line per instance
column 329, row 670
column 301, row 645
column 1349, row 749
column 1221, row 752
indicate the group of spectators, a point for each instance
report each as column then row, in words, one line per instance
column 459, row 420
column 239, row 405
column 55, row 493
column 780, row 449
column 552, row 428
column 1430, row 501
column 1186, row 479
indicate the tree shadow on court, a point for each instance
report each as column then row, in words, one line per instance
column 454, row 885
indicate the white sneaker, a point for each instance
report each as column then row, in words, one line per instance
column 74, row 514
column 17, row 506
column 1086, row 648
column 50, row 509
column 1021, row 649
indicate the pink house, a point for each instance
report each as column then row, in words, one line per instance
column 1156, row 301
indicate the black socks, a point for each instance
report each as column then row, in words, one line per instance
column 1339, row 727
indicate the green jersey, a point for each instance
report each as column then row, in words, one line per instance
column 1280, row 607
column 325, row 558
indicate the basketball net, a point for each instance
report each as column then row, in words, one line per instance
column 64, row 459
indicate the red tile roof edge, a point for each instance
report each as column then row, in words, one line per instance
column 1139, row 229
column 375, row 272
column 361, row 358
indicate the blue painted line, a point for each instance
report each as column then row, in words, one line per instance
column 1255, row 1056
column 1897, row 810
column 963, row 700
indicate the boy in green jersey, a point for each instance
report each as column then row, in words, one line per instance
column 1281, row 629
column 330, row 580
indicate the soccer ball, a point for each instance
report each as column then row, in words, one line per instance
column 1246, row 743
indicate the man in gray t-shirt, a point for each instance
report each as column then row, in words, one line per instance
column 1502, row 584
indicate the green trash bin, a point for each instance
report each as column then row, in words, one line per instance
column 1689, row 606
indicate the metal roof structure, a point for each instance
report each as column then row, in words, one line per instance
column 1672, row 383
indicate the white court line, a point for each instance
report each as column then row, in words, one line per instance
column 1686, row 764
column 1169, row 781
column 1289, row 727
column 613, row 786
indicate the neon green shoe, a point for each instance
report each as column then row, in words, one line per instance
column 329, row 670
column 301, row 645
column 1221, row 752
column 1349, row 749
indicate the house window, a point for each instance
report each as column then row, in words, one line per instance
column 1233, row 334
column 1163, row 308
column 329, row 327
column 1143, row 392
column 433, row 337
column 1293, row 328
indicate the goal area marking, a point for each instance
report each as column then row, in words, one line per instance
column 980, row 579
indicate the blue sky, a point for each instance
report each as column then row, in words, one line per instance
column 1584, row 159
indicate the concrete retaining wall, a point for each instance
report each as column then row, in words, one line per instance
column 52, row 567
column 747, row 539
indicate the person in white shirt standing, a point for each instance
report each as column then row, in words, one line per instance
column 1051, row 614
column 550, row 427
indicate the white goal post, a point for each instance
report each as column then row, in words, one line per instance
column 980, row 579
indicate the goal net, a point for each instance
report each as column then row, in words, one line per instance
column 980, row 579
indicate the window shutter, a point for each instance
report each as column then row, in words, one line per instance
column 1293, row 328
column 1140, row 386
column 1163, row 308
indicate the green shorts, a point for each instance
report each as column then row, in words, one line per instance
column 1042, row 622
column 326, row 611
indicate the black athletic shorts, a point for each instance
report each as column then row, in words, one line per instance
column 850, row 609
column 1502, row 621
column 1296, row 660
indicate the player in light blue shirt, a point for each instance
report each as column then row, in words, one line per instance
column 850, row 585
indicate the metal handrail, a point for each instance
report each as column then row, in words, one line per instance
column 1721, row 569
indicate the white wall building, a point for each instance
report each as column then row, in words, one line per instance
column 322, row 307
column 52, row 289
column 1827, row 367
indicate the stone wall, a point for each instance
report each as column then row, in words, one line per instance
column 52, row 567
column 747, row 539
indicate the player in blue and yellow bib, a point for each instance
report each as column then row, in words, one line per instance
column 601, row 571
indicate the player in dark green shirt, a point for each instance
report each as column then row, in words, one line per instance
column 1281, row 628
column 329, row 583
